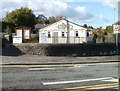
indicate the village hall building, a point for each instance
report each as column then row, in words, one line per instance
column 64, row 31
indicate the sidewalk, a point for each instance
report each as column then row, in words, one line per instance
column 30, row 59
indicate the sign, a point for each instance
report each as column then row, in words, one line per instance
column 17, row 39
column 64, row 26
column 116, row 29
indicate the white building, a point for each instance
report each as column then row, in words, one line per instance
column 64, row 31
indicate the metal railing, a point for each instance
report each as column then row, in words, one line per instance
column 64, row 39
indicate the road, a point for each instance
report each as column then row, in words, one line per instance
column 64, row 77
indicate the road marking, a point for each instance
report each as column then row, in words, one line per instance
column 67, row 65
column 111, row 80
column 52, row 68
column 101, row 86
column 36, row 69
column 76, row 81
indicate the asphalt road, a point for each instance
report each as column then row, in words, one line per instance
column 78, row 77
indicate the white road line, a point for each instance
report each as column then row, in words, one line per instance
column 36, row 69
column 111, row 80
column 65, row 82
column 52, row 68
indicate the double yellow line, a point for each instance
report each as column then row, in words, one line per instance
column 66, row 65
column 57, row 65
column 102, row 86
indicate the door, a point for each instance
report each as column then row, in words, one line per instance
column 43, row 38
column 55, row 37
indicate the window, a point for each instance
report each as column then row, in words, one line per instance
column 87, row 34
column 63, row 34
column 76, row 33
column 49, row 34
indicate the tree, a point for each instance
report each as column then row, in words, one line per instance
column 98, row 32
column 41, row 19
column 108, row 29
column 85, row 25
column 21, row 17
column 118, row 22
column 55, row 19
column 7, row 27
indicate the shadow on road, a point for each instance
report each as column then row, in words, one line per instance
column 10, row 50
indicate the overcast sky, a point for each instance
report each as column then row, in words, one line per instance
column 94, row 13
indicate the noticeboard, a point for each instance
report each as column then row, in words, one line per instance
column 17, row 39
column 26, row 34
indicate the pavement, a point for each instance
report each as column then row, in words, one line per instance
column 49, row 60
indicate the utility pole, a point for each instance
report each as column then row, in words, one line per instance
column 68, row 32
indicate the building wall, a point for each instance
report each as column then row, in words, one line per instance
column 55, row 30
column 72, row 37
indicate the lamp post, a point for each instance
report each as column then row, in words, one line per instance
column 118, row 49
column 116, row 34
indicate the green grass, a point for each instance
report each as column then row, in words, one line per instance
column 34, row 40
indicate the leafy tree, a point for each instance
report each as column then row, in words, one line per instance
column 118, row 22
column 90, row 27
column 41, row 19
column 7, row 27
column 55, row 19
column 21, row 17
column 108, row 29
column 85, row 25
column 98, row 32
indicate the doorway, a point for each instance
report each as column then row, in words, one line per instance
column 55, row 37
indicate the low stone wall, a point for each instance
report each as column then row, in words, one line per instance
column 67, row 49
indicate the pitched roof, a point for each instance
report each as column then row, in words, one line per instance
column 62, row 20
column 22, row 27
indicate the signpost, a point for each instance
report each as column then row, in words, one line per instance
column 116, row 30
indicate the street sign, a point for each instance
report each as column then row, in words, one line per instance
column 17, row 39
column 116, row 29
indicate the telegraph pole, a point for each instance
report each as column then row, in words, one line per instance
column 68, row 32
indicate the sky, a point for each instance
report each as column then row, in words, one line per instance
column 96, row 13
